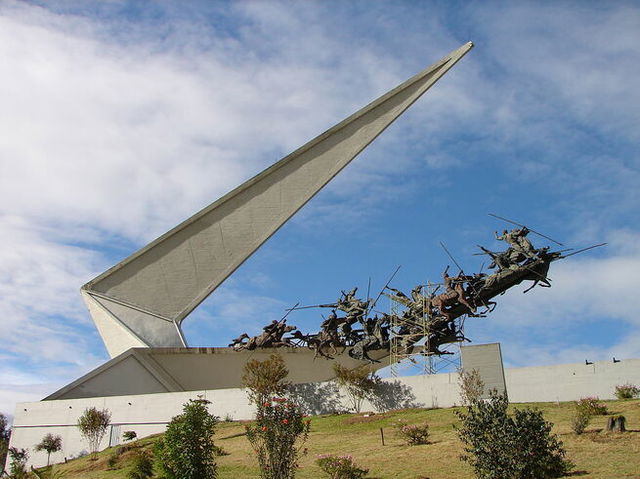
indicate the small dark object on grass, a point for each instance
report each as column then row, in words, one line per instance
column 616, row 424
column 218, row 451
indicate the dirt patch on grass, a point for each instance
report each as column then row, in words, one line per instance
column 365, row 419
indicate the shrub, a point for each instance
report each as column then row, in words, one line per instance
column 187, row 450
column 413, row 434
column 499, row 446
column 591, row 406
column 471, row 386
column 93, row 426
column 277, row 437
column 112, row 460
column 340, row 467
column 129, row 435
column 580, row 421
column 18, row 463
column 265, row 379
column 142, row 466
column 359, row 383
column 49, row 443
column 627, row 391
column 5, row 434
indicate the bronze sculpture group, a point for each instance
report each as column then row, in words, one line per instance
column 426, row 314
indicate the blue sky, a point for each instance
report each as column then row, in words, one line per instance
column 120, row 119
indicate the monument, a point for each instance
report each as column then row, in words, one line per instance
column 139, row 304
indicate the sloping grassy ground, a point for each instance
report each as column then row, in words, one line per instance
column 597, row 454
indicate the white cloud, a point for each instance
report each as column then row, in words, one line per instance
column 113, row 142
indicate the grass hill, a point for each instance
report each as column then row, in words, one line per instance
column 596, row 453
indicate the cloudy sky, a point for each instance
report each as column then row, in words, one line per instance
column 121, row 118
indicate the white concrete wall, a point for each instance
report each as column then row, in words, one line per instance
column 148, row 414
column 568, row 382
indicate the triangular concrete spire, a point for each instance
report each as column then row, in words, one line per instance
column 168, row 278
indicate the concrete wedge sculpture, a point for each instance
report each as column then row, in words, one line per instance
column 141, row 301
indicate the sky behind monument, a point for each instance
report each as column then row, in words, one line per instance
column 121, row 119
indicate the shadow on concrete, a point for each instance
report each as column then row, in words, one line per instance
column 316, row 398
column 390, row 395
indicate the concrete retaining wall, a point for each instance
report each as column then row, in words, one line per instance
column 148, row 414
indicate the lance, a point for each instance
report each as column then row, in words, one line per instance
column 483, row 252
column 289, row 310
column 450, row 256
column 524, row 226
column 583, row 249
column 332, row 305
column 385, row 287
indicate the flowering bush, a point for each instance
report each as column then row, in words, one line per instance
column 413, row 434
column 591, row 406
column 277, row 437
column 627, row 391
column 340, row 467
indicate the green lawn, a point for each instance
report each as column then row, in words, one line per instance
column 597, row 454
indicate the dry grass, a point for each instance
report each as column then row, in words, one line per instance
column 597, row 454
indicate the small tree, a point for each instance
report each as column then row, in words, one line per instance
column 580, row 420
column 49, row 443
column 18, row 463
column 277, row 438
column 93, row 425
column 471, row 386
column 265, row 379
column 499, row 446
column 5, row 434
column 187, row 450
column 359, row 383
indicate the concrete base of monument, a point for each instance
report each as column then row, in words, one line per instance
column 159, row 370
